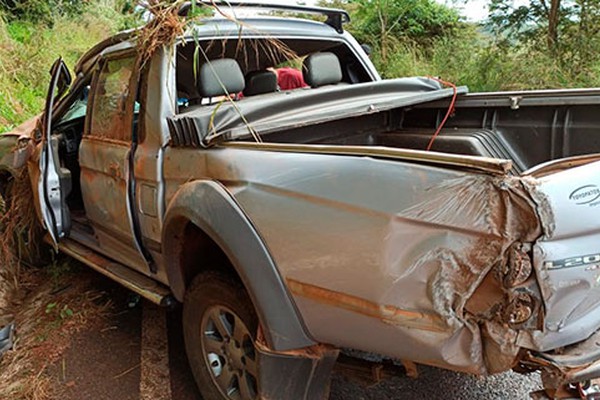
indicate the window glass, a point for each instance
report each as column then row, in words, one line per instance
column 110, row 100
column 78, row 108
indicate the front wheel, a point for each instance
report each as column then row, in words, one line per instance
column 219, row 326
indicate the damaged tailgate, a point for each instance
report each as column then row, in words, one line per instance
column 567, row 257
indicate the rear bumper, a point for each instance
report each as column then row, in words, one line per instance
column 575, row 363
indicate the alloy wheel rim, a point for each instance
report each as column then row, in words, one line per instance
column 229, row 353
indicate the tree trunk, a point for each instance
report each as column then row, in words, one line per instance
column 384, row 35
column 553, row 21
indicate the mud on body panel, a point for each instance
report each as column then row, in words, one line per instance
column 435, row 263
column 482, row 282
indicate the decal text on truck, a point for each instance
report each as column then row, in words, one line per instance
column 575, row 262
column 587, row 194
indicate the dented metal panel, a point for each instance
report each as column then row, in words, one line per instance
column 567, row 258
column 103, row 171
column 383, row 248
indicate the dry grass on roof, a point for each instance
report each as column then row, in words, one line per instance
column 167, row 26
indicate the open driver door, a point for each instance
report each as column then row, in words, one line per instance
column 54, row 182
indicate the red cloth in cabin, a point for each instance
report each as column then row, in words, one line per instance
column 290, row 78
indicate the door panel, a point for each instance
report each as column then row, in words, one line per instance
column 104, row 161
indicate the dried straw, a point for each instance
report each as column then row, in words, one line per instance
column 43, row 335
column 167, row 26
column 18, row 228
column 163, row 29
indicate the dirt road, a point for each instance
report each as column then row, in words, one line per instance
column 138, row 353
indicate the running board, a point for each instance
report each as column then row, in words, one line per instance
column 129, row 278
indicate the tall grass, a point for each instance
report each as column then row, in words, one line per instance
column 470, row 58
column 27, row 50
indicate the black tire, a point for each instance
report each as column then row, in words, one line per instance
column 28, row 247
column 219, row 327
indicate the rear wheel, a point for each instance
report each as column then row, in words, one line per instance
column 220, row 326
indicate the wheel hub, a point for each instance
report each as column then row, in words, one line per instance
column 229, row 352
column 234, row 356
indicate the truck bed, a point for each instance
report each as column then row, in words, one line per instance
column 527, row 128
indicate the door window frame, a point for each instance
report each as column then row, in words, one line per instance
column 130, row 101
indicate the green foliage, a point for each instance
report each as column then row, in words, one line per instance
column 61, row 312
column 58, row 270
column 566, row 29
column 41, row 11
column 516, row 50
column 418, row 20
column 198, row 10
column 28, row 48
column 21, row 31
column 384, row 24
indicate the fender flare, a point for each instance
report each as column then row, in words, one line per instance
column 211, row 207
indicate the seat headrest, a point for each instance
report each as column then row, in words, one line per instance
column 322, row 69
column 220, row 77
column 259, row 82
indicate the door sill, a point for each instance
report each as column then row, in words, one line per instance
column 146, row 287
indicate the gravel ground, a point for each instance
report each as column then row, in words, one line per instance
column 437, row 384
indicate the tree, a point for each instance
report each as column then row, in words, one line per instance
column 382, row 22
column 40, row 10
column 563, row 23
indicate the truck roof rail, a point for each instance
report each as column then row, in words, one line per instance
column 336, row 18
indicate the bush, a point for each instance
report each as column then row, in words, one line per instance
column 28, row 49
column 473, row 59
column 41, row 11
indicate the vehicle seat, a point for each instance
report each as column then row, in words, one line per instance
column 222, row 77
column 321, row 69
column 260, row 82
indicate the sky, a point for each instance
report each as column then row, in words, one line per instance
column 473, row 10
column 476, row 10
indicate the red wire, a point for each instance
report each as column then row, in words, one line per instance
column 450, row 109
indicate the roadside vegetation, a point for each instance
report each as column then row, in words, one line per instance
column 540, row 45
column 33, row 33
column 55, row 303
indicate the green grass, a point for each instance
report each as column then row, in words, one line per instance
column 28, row 50
column 469, row 57
column 476, row 61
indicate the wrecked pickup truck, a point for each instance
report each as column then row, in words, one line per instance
column 295, row 224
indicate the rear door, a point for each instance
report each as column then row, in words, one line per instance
column 104, row 159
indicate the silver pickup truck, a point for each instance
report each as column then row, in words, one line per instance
column 295, row 224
